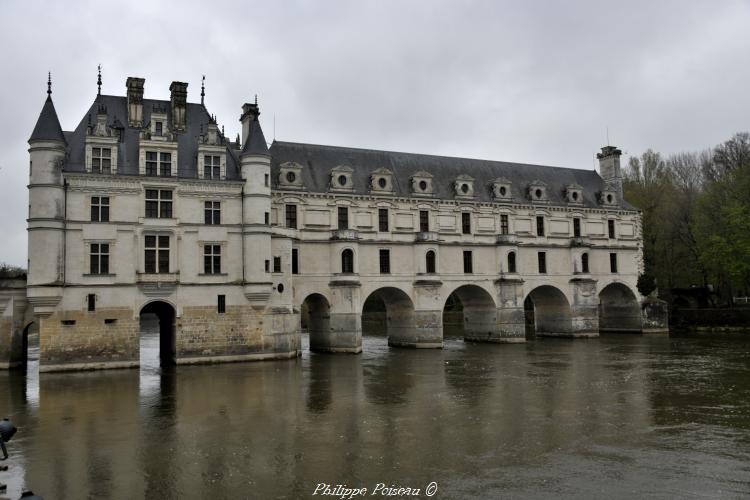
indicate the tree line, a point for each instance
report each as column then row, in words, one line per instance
column 696, row 217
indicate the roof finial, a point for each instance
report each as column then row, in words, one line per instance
column 222, row 130
column 256, row 99
column 49, row 84
column 99, row 80
column 203, row 88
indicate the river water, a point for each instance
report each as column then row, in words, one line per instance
column 620, row 416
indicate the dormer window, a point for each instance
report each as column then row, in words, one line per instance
column 290, row 175
column 607, row 198
column 341, row 178
column 501, row 189
column 158, row 128
column 538, row 191
column 421, row 183
column 211, row 166
column 381, row 181
column 574, row 194
column 464, row 186
column 101, row 160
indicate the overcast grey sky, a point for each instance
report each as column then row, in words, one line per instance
column 533, row 82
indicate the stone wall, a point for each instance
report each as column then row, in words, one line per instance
column 79, row 340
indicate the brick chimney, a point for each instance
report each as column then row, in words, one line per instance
column 135, row 101
column 178, row 102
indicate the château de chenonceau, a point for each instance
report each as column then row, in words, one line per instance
column 147, row 207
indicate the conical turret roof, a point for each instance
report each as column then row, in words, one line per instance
column 48, row 126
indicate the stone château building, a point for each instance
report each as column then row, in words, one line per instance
column 146, row 206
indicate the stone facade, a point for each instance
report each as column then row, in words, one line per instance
column 147, row 208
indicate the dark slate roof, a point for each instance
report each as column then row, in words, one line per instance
column 317, row 162
column 197, row 119
column 256, row 142
column 47, row 126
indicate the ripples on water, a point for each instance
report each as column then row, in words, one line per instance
column 618, row 416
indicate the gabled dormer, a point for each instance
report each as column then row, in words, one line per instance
column 341, row 179
column 157, row 148
column 501, row 189
column 574, row 194
column 381, row 181
column 464, row 186
column 212, row 153
column 421, row 184
column 101, row 145
column 537, row 192
column 290, row 175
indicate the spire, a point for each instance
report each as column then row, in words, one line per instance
column 48, row 126
column 203, row 88
column 99, row 81
column 255, row 143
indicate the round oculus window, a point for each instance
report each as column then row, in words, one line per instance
column 280, row 288
column 464, row 188
column 538, row 193
column 423, row 185
column 291, row 177
column 503, row 190
column 342, row 180
column 382, row 183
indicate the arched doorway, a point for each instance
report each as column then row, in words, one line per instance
column 470, row 312
column 547, row 313
column 29, row 359
column 389, row 312
column 158, row 339
column 619, row 310
column 315, row 318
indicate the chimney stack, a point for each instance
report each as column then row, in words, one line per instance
column 135, row 101
column 609, row 169
column 250, row 113
column 178, row 101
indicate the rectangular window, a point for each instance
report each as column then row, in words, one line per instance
column 99, row 258
column 212, row 212
column 504, row 224
column 468, row 262
column 212, row 259
column 277, row 264
column 157, row 254
column 424, row 221
column 542, row 258
column 613, row 262
column 211, row 167
column 267, row 219
column 165, row 164
column 385, row 261
column 91, row 299
column 100, row 209
column 576, row 227
column 159, row 203
column 158, row 128
column 151, row 162
column 383, row 220
column 291, row 216
column 540, row 226
column 221, row 306
column 267, row 265
column 343, row 218
column 466, row 223
column 265, row 180
column 101, row 160
column 611, row 227
column 295, row 261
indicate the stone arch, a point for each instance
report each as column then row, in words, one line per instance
column 392, row 310
column 471, row 312
column 24, row 356
column 315, row 318
column 619, row 309
column 548, row 312
column 166, row 314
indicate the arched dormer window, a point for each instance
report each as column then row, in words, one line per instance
column 430, row 262
column 347, row 261
column 512, row 262
column 585, row 263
